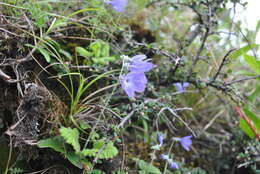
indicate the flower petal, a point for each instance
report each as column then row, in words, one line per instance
column 179, row 87
column 160, row 139
column 174, row 165
column 139, row 64
column 186, row 142
column 164, row 157
column 139, row 58
column 185, row 84
column 118, row 5
column 133, row 82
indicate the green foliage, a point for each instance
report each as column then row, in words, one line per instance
column 77, row 92
column 77, row 157
column 245, row 127
column 119, row 172
column 15, row 170
column 242, row 51
column 52, row 53
column 183, row 170
column 83, row 52
column 146, row 168
column 93, row 21
column 109, row 151
column 253, row 63
column 71, row 136
column 98, row 52
column 55, row 143
column 96, row 171
column 38, row 13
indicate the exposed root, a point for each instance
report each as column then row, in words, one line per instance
column 34, row 105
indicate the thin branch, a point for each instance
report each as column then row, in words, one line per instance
column 126, row 118
column 241, row 80
column 9, row 32
column 172, row 111
column 222, row 63
column 196, row 59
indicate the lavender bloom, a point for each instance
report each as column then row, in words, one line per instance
column 164, row 157
column 139, row 64
column 181, row 87
column 185, row 142
column 160, row 139
column 118, row 5
column 173, row 165
column 133, row 82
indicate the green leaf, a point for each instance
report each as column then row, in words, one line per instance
column 66, row 54
column 103, row 60
column 74, row 159
column 84, row 125
column 146, row 167
column 243, row 50
column 253, row 97
column 89, row 152
column 245, row 128
column 96, row 48
column 45, row 54
column 83, row 52
column 109, row 151
column 257, row 30
column 244, row 72
column 253, row 63
column 255, row 120
column 105, row 50
column 71, row 136
column 55, row 143
column 55, row 44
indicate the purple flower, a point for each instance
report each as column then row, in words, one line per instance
column 139, row 64
column 160, row 139
column 181, row 87
column 173, row 165
column 185, row 142
column 118, row 5
column 133, row 82
column 164, row 157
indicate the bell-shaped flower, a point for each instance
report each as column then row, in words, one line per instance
column 185, row 142
column 139, row 63
column 160, row 139
column 133, row 82
column 164, row 157
column 173, row 165
column 118, row 5
column 181, row 87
